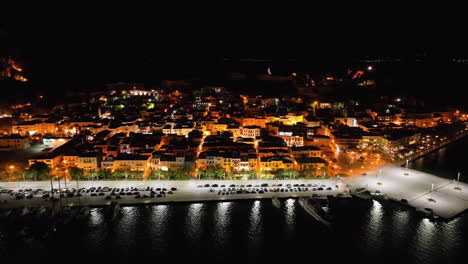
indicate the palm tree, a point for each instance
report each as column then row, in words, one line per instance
column 252, row 174
column 220, row 173
column 157, row 173
column 210, row 172
column 323, row 170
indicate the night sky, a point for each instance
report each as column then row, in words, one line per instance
column 84, row 45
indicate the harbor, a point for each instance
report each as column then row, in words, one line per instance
column 431, row 195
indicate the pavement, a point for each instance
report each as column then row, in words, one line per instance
column 421, row 190
column 447, row 198
column 187, row 191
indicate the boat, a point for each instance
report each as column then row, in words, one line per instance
column 24, row 211
column 66, row 216
column 113, row 210
column 364, row 194
column 83, row 213
column 428, row 212
column 315, row 209
column 276, row 203
column 41, row 211
column 6, row 214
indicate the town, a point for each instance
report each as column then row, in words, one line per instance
column 176, row 132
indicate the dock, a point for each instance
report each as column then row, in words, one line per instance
column 446, row 198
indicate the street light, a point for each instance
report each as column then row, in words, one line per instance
column 11, row 172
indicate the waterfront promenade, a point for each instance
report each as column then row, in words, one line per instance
column 445, row 197
column 187, row 191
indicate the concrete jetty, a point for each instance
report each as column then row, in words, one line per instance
column 445, row 197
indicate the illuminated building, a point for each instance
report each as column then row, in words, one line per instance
column 14, row 142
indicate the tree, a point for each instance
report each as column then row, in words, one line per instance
column 169, row 174
column 309, row 172
column 291, row 173
column 252, row 174
column 210, row 172
column 75, row 173
column 182, row 174
column 39, row 170
column 157, row 173
column 136, row 173
column 30, row 174
column 220, row 172
column 232, row 173
column 103, row 173
column 279, row 173
column 118, row 174
column 323, row 170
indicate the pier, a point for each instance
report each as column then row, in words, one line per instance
column 446, row 198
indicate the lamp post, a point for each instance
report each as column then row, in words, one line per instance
column 432, row 189
column 11, row 167
column 51, row 187
column 65, row 178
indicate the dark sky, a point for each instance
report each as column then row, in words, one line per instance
column 85, row 44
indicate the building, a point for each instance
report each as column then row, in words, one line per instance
column 293, row 141
column 249, row 121
column 323, row 142
column 52, row 159
column 14, row 142
column 131, row 162
column 167, row 161
column 349, row 121
column 273, row 163
column 312, row 122
column 70, row 158
column 28, row 128
column 251, row 131
column 314, row 163
column 89, row 160
column 306, row 151
column 395, row 141
column 178, row 129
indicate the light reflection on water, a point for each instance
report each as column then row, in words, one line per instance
column 255, row 218
column 194, row 227
column 96, row 235
column 400, row 226
column 222, row 219
column 423, row 243
column 159, row 221
column 289, row 211
column 374, row 228
column 95, row 217
column 257, row 228
column 450, row 236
